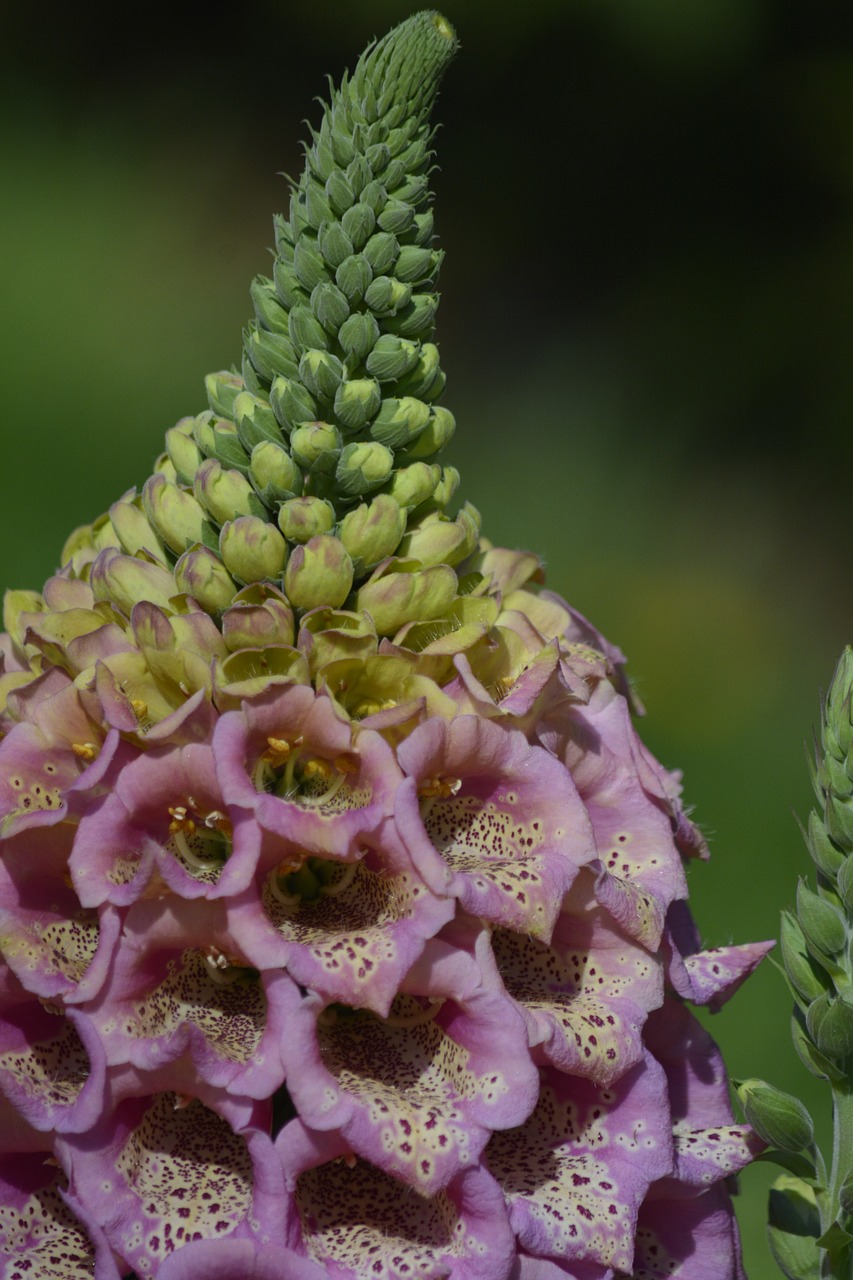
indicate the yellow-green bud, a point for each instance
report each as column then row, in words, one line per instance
column 270, row 354
column 386, row 296
column 425, row 380
column 446, row 487
column 412, row 485
column 438, row 540
column 134, row 529
column 328, row 635
column 222, row 389
column 255, row 421
column 372, row 530
column 319, row 573
column 778, row 1118
column 436, row 434
column 226, row 494
column 219, row 439
column 185, row 455
column 362, row 467
column 291, row 402
column 201, row 574
column 316, row 446
column 301, row 519
column 176, row 515
column 273, row 468
column 399, row 422
column 356, row 402
column 252, row 549
column 358, row 335
column 406, row 593
column 123, row 580
column 392, row 358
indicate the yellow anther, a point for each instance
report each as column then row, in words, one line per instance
column 277, row 752
column 287, row 866
column 181, row 821
column 84, row 750
column 438, row 788
column 316, row 768
column 140, row 708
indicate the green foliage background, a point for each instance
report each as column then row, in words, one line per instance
column 647, row 208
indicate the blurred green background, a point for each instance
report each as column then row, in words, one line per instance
column 647, row 208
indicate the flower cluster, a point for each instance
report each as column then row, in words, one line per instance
column 342, row 911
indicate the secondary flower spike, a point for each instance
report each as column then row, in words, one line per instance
column 343, row 913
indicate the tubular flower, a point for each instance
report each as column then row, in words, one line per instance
column 343, row 913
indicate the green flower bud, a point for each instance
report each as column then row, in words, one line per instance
column 356, row 402
column 309, row 267
column 176, row 515
column 225, row 494
column 844, row 883
column 424, row 228
column 321, row 373
column 386, row 296
column 437, row 540
column 834, row 1036
column 359, row 173
column 316, row 446
column 134, row 529
column 184, row 453
column 306, row 331
column 289, row 291
column 392, row 358
column 358, row 335
column 123, row 580
column 845, row 1194
column 255, row 421
column 353, row 277
column 291, row 402
column 271, row 315
column 839, row 820
column 824, row 853
column 218, row 439
column 802, row 971
column 397, row 217
column 412, row 485
column 358, row 222
column 816, row 1013
column 222, row 389
column 339, row 193
column 426, row 380
column 301, row 519
column 399, row 422
column 436, row 434
column 253, row 550
column 318, row 573
column 202, row 575
column 258, row 616
column 821, row 923
column 382, row 251
column 335, row 244
column 329, row 306
column 403, row 592
column 362, row 467
column 778, row 1118
column 273, row 470
column 272, row 354
column 416, row 319
column 372, row 530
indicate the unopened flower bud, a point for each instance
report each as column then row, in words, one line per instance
column 255, row 421
column 778, row 1118
column 834, row 1035
column 382, row 251
column 185, row 455
column 259, row 615
column 441, row 541
column 358, row 335
column 134, row 529
column 316, row 446
column 821, row 922
column 799, row 966
column 291, row 402
column 412, row 485
column 329, row 307
column 252, row 549
column 176, row 515
column 271, row 354
column 272, row 316
column 386, row 296
column 373, row 530
column 399, row 422
column 301, row 519
column 446, row 488
column 222, row 389
column 122, row 580
column 319, row 573
column 409, row 594
column 201, row 574
column 392, row 358
column 426, row 380
column 272, row 468
column 218, row 439
column 356, row 403
column 226, row 494
column 321, row 373
column 353, row 277
column 417, row 318
column 826, row 856
column 436, row 434
column 362, row 467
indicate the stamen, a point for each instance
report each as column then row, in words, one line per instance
column 438, row 788
column 84, row 750
column 181, row 821
column 140, row 708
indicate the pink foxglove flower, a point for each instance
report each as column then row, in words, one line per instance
column 342, row 911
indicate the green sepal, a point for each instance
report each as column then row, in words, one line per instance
column 353, row 278
column 399, row 422
column 835, row 1237
column 381, row 252
column 270, row 313
column 291, row 402
column 306, row 331
column 826, row 857
column 801, row 970
column 308, row 267
column 844, row 883
column 838, row 816
column 845, row 1194
column 335, row 244
column 416, row 319
column 222, row 389
column 810, row 1056
column 798, row 1163
column 289, row 291
column 821, row 923
column 834, row 1036
column 796, row 1256
column 330, row 307
column 271, row 354
column 322, row 373
column 358, row 335
column 356, row 403
column 255, row 421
